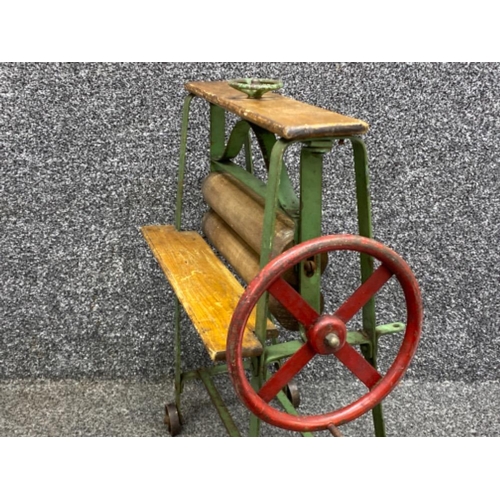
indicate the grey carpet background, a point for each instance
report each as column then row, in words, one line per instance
column 88, row 154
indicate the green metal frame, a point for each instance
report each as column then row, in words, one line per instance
column 306, row 211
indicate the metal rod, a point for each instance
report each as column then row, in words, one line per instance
column 366, row 229
column 335, row 431
column 177, row 355
column 178, row 218
column 275, row 167
column 289, row 408
column 248, row 153
column 182, row 160
column 221, row 408
column 311, row 188
column 217, row 131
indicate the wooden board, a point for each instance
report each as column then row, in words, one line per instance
column 281, row 115
column 205, row 287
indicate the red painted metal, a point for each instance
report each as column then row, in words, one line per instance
column 363, row 294
column 292, row 300
column 290, row 368
column 358, row 365
column 317, row 327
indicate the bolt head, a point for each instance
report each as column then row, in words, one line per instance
column 332, row 340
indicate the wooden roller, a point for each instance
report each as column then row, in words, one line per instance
column 243, row 211
column 245, row 262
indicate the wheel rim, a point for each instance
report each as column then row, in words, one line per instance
column 319, row 327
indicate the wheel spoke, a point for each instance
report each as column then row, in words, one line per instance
column 290, row 368
column 363, row 294
column 358, row 365
column 293, row 302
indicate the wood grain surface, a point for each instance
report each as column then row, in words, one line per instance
column 206, row 289
column 281, row 115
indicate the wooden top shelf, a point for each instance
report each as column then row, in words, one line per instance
column 281, row 115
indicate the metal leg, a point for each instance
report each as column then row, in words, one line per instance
column 182, row 160
column 256, row 381
column 248, row 153
column 217, row 131
column 311, row 188
column 177, row 355
column 365, row 229
column 272, row 190
column 286, row 195
column 178, row 218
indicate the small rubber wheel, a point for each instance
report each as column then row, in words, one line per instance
column 291, row 389
column 172, row 419
column 292, row 393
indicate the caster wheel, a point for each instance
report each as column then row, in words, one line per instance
column 172, row 419
column 291, row 389
column 326, row 334
column 292, row 393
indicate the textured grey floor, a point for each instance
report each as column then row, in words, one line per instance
column 117, row 408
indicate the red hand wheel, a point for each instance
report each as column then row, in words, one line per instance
column 325, row 333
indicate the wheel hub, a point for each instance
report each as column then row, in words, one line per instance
column 327, row 335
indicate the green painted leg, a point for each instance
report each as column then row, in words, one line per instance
column 248, row 153
column 365, row 229
column 378, row 421
column 254, row 426
column 178, row 217
column 217, row 131
column 182, row 160
column 311, row 188
column 177, row 356
column 256, row 383
column 272, row 189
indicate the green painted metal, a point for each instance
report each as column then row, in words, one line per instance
column 218, row 369
column 366, row 261
column 311, row 187
column 257, row 378
column 236, row 141
column 281, row 350
column 275, row 167
column 182, row 159
column 271, row 204
column 177, row 355
column 365, row 229
column 248, row 153
column 287, row 197
column 217, row 131
column 178, row 217
column 289, row 408
column 255, row 88
column 356, row 337
column 242, row 175
column 279, row 194
column 217, row 401
column 390, row 328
